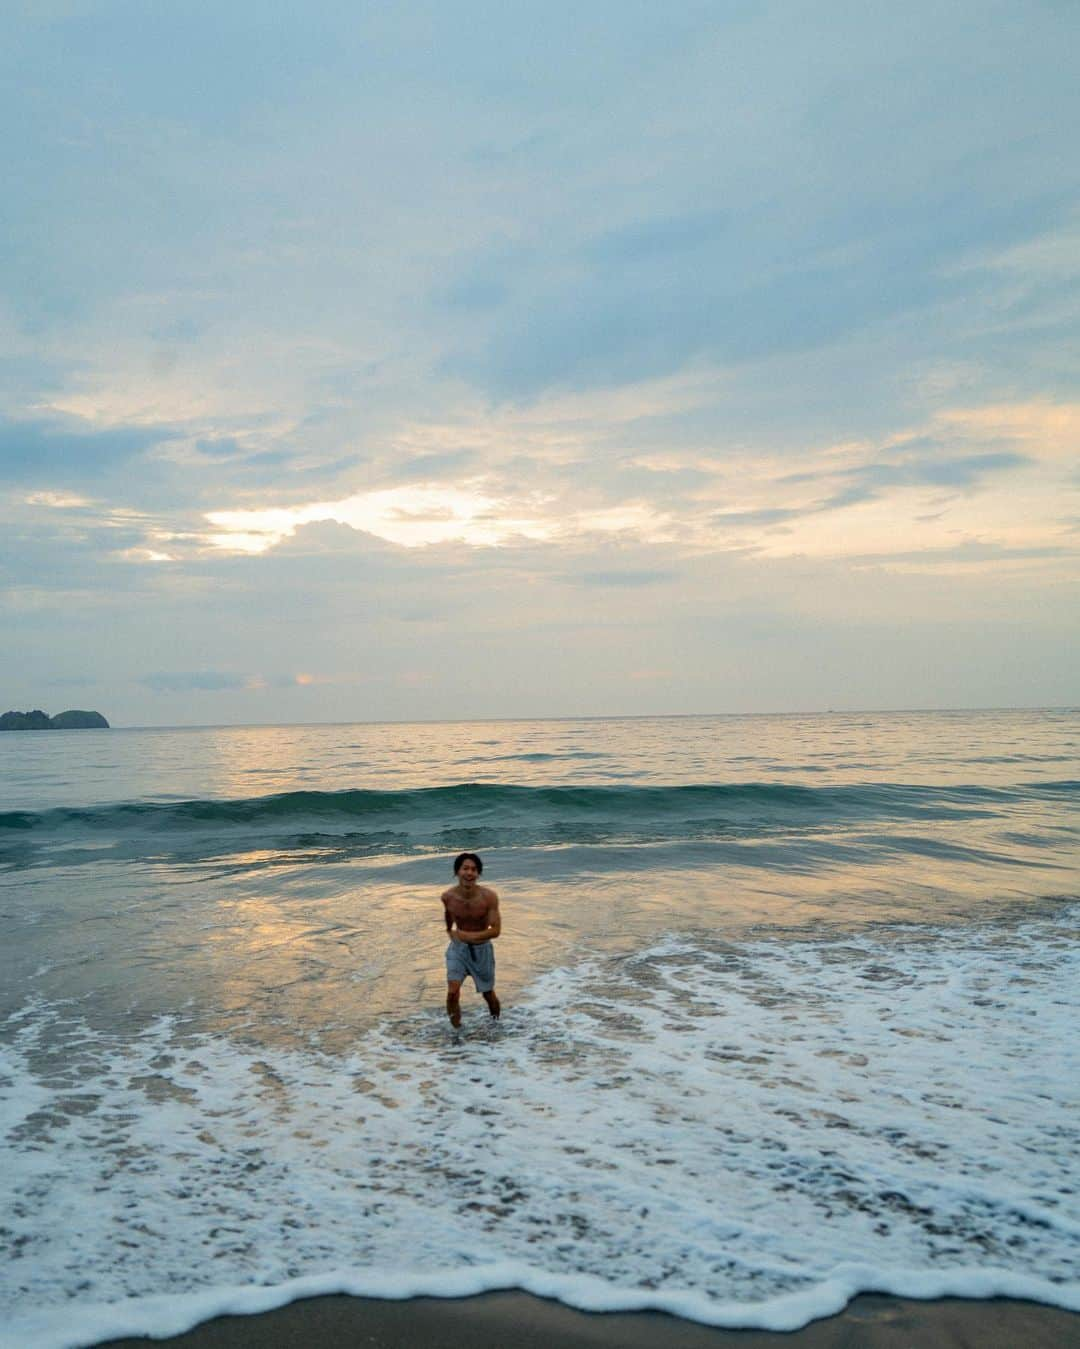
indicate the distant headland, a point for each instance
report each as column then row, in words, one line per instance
column 63, row 721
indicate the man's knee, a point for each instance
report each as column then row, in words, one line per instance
column 453, row 988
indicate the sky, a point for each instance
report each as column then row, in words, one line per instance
column 463, row 359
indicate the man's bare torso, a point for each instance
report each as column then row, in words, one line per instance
column 470, row 912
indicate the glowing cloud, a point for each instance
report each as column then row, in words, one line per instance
column 145, row 555
column 413, row 517
column 60, row 501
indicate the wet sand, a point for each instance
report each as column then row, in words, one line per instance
column 500, row 1319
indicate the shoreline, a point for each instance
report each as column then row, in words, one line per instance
column 493, row 1320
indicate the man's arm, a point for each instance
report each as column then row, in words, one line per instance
column 447, row 914
column 494, row 924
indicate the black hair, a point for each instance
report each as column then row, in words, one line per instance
column 468, row 857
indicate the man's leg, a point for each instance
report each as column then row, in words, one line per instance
column 484, row 957
column 453, row 1001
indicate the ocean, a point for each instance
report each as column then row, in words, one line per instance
column 789, row 1013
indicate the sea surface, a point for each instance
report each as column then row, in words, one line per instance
column 790, row 1012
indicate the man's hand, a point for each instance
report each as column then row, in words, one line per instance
column 487, row 934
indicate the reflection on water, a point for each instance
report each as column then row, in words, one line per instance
column 332, row 923
column 332, row 950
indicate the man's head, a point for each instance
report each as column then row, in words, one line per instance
column 467, row 866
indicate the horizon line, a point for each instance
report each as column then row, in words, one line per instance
column 593, row 716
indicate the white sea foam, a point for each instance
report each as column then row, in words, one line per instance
column 743, row 1135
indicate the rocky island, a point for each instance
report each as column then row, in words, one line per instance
column 73, row 720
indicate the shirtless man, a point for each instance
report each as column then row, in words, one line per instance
column 472, row 918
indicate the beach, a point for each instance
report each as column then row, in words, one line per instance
column 788, row 1044
column 501, row 1319
column 540, row 736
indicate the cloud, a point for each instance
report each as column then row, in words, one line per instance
column 71, row 682
column 222, row 447
column 961, row 471
column 69, row 452
column 412, row 517
column 185, row 681
column 875, row 479
column 69, row 555
column 59, row 500
column 435, row 467
column 766, row 516
column 630, row 578
column 690, row 314
column 972, row 552
column 660, row 237
column 740, row 286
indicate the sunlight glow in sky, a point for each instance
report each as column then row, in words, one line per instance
column 409, row 516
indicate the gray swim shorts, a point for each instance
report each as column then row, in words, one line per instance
column 473, row 958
